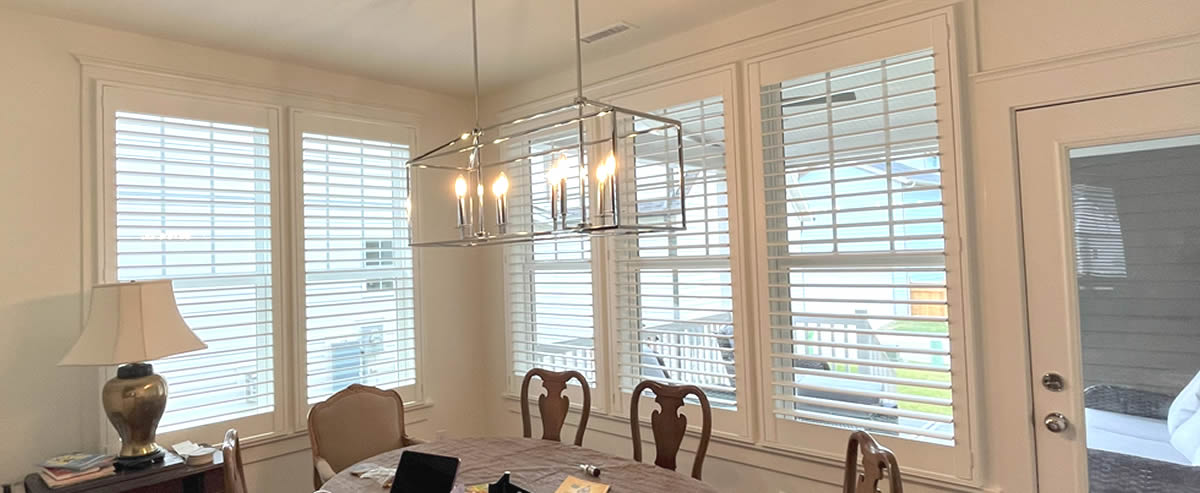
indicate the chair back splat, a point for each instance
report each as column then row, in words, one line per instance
column 669, row 424
column 553, row 406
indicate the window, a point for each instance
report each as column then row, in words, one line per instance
column 674, row 292
column 623, row 309
column 190, row 194
column 358, row 265
column 856, row 250
column 192, row 203
column 550, row 303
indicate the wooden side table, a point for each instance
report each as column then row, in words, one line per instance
column 172, row 475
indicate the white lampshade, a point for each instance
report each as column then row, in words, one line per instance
column 132, row 322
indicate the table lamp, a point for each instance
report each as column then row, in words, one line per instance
column 129, row 324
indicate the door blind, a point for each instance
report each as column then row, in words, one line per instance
column 549, row 282
column 358, row 265
column 856, row 250
column 674, row 294
column 193, row 204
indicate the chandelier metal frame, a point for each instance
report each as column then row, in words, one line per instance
column 473, row 228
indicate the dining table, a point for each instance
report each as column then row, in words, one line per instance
column 536, row 465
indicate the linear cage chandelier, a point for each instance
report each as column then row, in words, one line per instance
column 584, row 168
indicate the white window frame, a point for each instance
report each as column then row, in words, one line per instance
column 110, row 88
column 599, row 337
column 608, row 399
column 112, row 98
column 310, row 121
column 720, row 82
column 847, row 52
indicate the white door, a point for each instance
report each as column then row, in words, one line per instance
column 1110, row 207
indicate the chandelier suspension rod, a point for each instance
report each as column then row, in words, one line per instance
column 578, row 56
column 475, row 53
column 579, row 101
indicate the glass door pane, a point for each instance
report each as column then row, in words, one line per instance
column 1136, row 220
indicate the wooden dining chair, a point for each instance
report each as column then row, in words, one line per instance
column 669, row 425
column 876, row 460
column 356, row 423
column 235, row 474
column 553, row 406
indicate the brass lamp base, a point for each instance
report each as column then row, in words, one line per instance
column 134, row 402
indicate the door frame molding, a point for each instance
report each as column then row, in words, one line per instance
column 1045, row 136
column 1001, row 323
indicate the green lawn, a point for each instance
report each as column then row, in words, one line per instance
column 913, row 326
column 920, row 327
column 923, row 391
column 917, row 326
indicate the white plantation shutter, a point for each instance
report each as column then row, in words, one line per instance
column 674, row 294
column 550, row 281
column 856, row 250
column 193, row 204
column 358, row 265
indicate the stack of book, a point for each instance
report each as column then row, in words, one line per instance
column 69, row 469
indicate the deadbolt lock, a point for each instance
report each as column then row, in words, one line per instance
column 1052, row 382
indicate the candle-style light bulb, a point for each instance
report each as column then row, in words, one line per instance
column 557, row 177
column 500, row 190
column 500, row 186
column 606, row 169
column 555, row 172
column 460, row 187
column 606, row 179
column 460, row 192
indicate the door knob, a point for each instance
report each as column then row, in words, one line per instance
column 1056, row 422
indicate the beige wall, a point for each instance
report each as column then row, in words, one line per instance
column 1013, row 33
column 1009, row 52
column 45, row 409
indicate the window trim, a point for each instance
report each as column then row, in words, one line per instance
column 599, row 337
column 301, row 120
column 865, row 47
column 99, row 76
column 945, row 17
column 720, row 81
column 608, row 399
column 112, row 97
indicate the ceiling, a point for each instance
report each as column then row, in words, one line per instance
column 421, row 43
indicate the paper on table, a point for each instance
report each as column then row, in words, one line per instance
column 382, row 475
column 185, row 447
column 360, row 468
column 575, row 485
column 194, row 454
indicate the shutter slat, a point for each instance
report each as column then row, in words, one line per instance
column 855, row 248
column 359, row 304
column 549, row 283
column 849, row 406
column 856, row 423
column 672, row 298
column 148, row 202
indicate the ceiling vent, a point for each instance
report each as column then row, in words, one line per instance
column 612, row 30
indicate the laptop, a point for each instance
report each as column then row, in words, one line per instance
column 425, row 473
